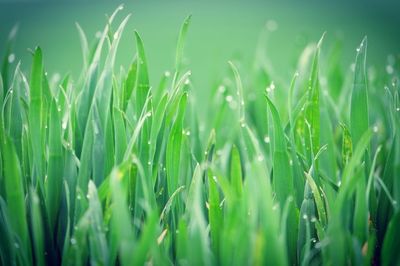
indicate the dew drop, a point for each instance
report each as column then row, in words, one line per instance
column 73, row 241
column 64, row 125
column 229, row 98
column 221, row 89
column 260, row 158
column 305, row 217
column 16, row 245
column 271, row 25
column 389, row 69
column 375, row 129
column 215, row 178
column 398, row 109
column 11, row 58
column 167, row 73
column 267, row 139
column 272, row 86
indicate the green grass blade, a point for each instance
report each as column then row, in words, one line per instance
column 96, row 234
column 391, row 242
column 359, row 99
column 142, row 86
column 35, row 114
column 181, row 44
column 37, row 229
column 236, row 172
column 313, row 109
column 55, row 165
column 14, row 190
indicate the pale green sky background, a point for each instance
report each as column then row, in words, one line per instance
column 220, row 30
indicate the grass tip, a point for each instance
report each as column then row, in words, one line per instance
column 321, row 40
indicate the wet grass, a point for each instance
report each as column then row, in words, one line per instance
column 115, row 168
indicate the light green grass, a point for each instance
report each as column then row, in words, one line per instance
column 113, row 168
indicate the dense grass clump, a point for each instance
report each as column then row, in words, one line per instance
column 109, row 169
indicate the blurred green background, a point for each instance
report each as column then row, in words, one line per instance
column 220, row 31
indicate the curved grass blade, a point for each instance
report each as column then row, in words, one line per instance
column 239, row 87
column 181, row 44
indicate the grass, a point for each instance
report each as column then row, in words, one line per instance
column 112, row 169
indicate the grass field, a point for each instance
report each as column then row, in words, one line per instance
column 114, row 168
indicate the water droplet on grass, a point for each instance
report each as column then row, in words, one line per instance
column 73, row 241
column 11, row 58
column 389, row 69
column 221, row 89
column 271, row 25
column 267, row 139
